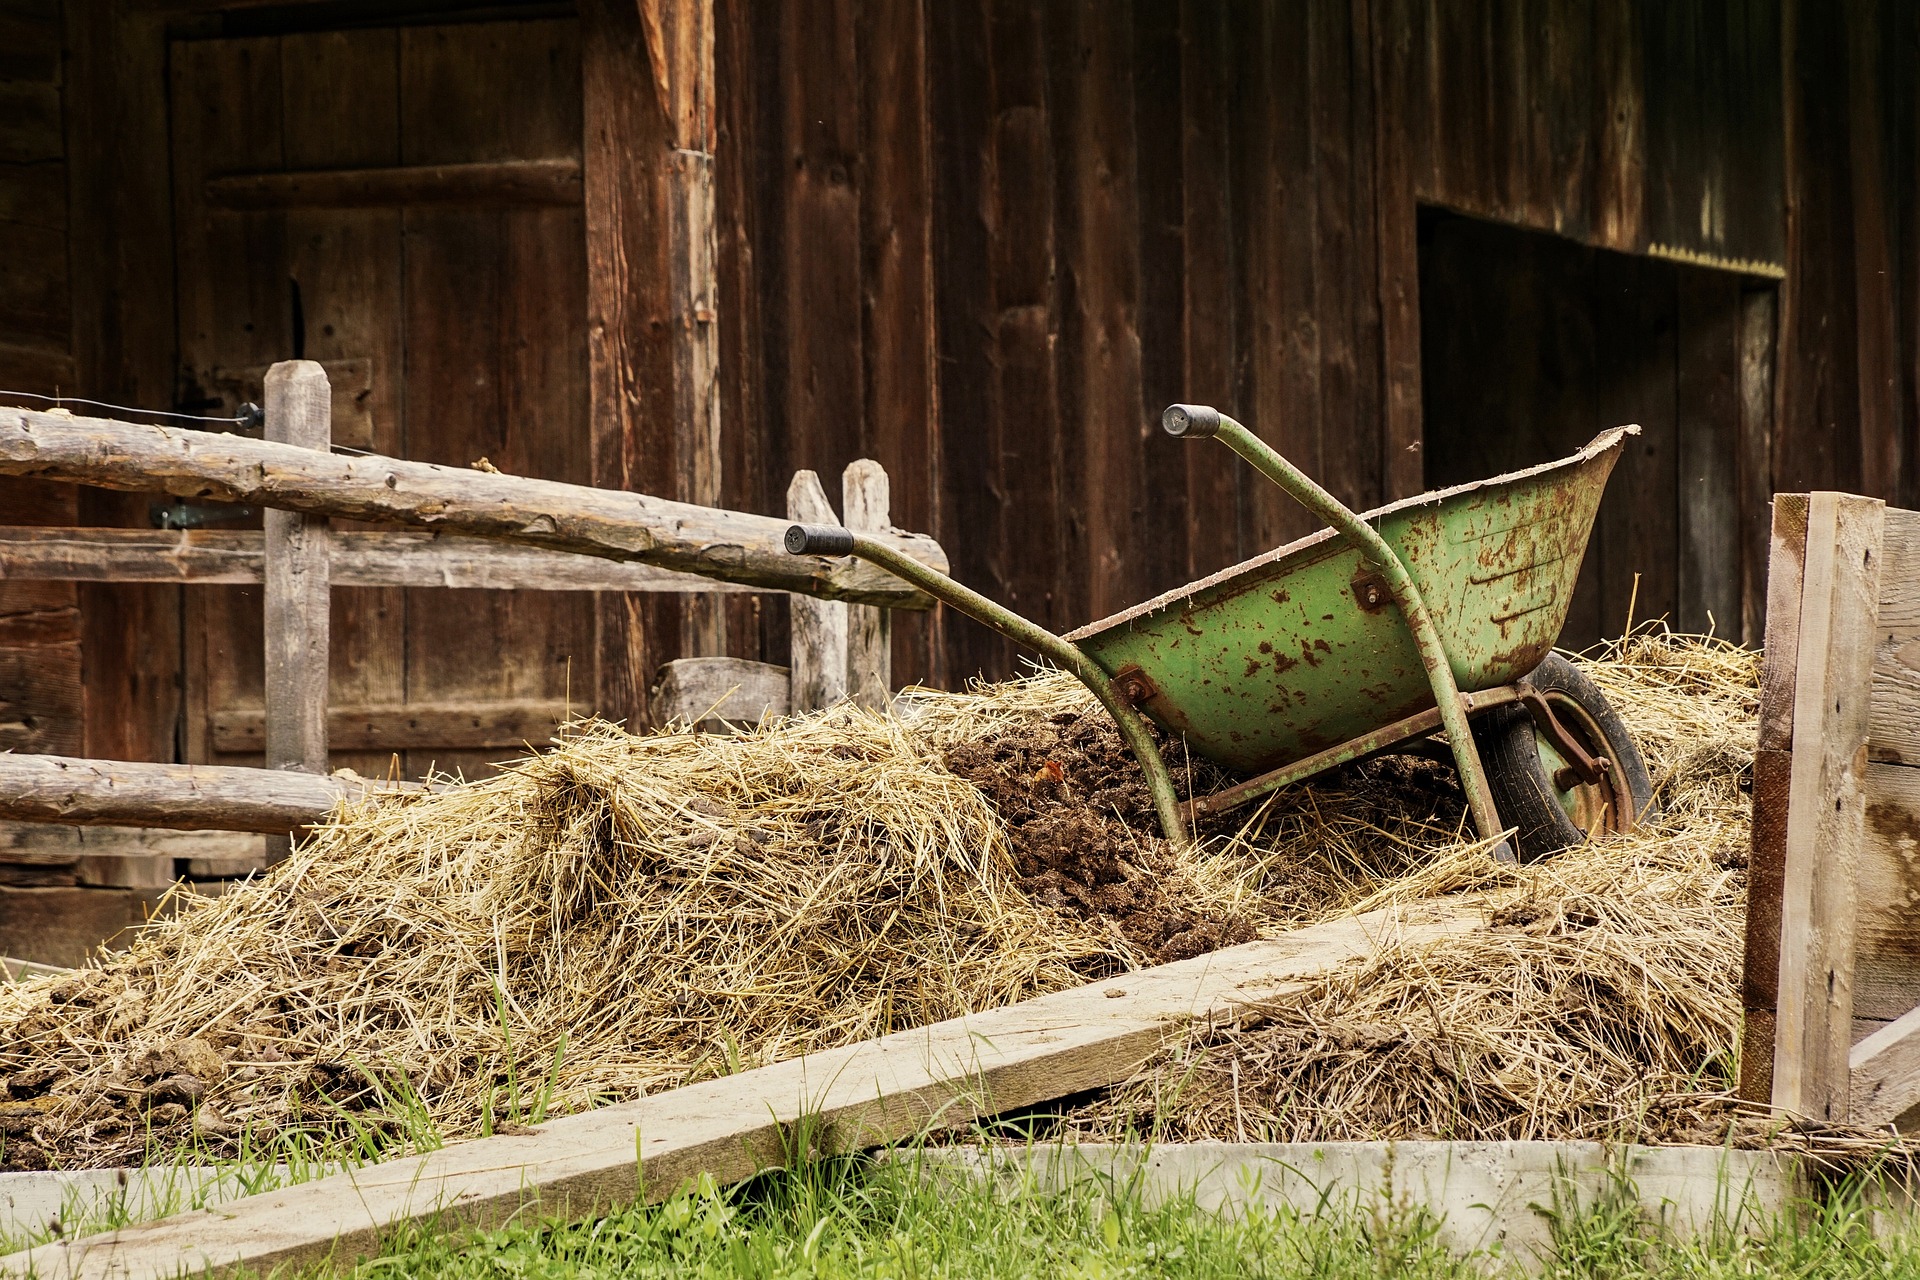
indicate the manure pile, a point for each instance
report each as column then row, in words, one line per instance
column 623, row 914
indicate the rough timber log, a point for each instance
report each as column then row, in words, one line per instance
column 181, row 797
column 728, row 545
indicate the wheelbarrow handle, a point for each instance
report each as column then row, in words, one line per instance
column 832, row 540
column 1199, row 421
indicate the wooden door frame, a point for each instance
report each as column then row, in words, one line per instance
column 647, row 153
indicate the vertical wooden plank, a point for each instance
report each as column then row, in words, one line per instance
column 300, row 413
column 960, row 75
column 1758, row 308
column 1565, row 76
column 680, row 48
column 819, row 228
column 1090, row 89
column 1634, row 314
column 1209, row 338
column 1873, row 257
column 299, row 407
column 818, row 660
column 629, row 334
column 1399, row 126
column 340, row 94
column 1826, row 816
column 1619, row 105
column 1707, row 452
column 1024, row 431
column 897, row 276
column 235, row 312
column 1157, row 131
column 866, row 498
column 1345, row 322
column 1772, row 777
column 477, row 280
column 125, row 343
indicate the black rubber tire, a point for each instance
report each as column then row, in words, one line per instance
column 1522, row 789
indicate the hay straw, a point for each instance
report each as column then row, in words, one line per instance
column 623, row 914
column 1602, row 996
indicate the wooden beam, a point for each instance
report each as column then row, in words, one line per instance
column 183, row 797
column 494, row 184
column 1884, row 1073
column 360, row 559
column 865, row 497
column 729, row 545
column 864, row 1095
column 1826, row 815
column 818, row 628
column 412, row 725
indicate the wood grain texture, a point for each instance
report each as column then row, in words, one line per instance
column 412, row 725
column 1886, row 979
column 487, row 183
column 114, row 793
column 981, row 1064
column 728, row 545
column 1885, row 1073
column 1893, row 732
column 715, row 695
column 296, row 585
column 819, row 627
column 360, row 558
column 1707, row 452
column 1826, row 812
column 866, row 500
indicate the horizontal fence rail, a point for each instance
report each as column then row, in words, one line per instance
column 730, row 546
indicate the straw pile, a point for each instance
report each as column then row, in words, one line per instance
column 623, row 914
column 1602, row 1003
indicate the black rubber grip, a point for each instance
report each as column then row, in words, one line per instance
column 819, row 540
column 1190, row 420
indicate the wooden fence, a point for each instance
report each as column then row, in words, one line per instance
column 1832, row 976
column 473, row 529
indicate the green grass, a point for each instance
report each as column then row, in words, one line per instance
column 846, row 1218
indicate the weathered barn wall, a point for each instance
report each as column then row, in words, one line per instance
column 986, row 242
column 40, row 676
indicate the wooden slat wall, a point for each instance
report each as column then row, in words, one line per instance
column 40, row 701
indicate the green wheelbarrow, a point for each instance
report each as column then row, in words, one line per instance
column 1434, row 615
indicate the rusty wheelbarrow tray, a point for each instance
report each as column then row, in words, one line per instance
column 1378, row 630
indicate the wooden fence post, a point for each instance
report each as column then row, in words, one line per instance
column 865, row 497
column 1832, row 655
column 818, row 627
column 300, row 413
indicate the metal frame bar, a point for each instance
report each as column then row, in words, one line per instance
column 1202, row 420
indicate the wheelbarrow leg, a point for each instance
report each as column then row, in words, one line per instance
column 1200, row 420
column 831, row 540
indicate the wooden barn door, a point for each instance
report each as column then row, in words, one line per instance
column 452, row 331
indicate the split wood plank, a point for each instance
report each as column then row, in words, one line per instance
column 1893, row 733
column 729, row 545
column 818, row 628
column 865, row 497
column 1885, row 1073
column 1826, row 814
column 864, row 1095
column 714, row 694
column 184, row 797
column 491, row 184
column 410, row 725
column 1886, row 979
column 360, row 558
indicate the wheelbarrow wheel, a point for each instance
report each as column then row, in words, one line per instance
column 1533, row 786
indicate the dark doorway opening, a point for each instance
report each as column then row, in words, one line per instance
column 1532, row 344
